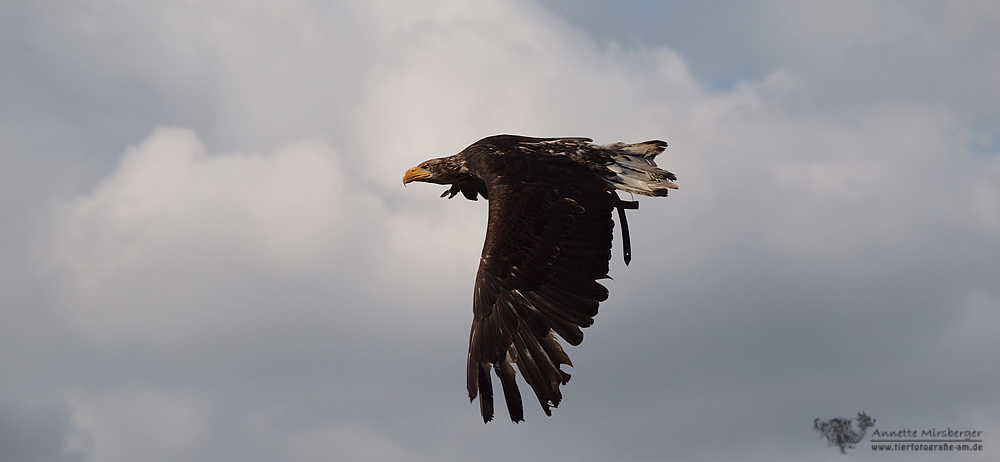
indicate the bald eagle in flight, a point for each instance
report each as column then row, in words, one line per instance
column 548, row 241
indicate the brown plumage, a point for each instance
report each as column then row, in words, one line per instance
column 548, row 241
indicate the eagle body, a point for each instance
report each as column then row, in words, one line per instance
column 548, row 241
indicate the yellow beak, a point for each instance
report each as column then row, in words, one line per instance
column 414, row 174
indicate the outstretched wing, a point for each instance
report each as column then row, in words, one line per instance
column 547, row 243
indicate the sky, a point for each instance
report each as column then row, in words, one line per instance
column 207, row 254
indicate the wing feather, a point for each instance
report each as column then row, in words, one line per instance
column 547, row 243
column 510, row 392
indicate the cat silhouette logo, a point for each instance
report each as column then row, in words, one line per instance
column 840, row 432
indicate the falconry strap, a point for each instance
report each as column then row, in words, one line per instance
column 621, row 206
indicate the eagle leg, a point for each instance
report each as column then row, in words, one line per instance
column 452, row 191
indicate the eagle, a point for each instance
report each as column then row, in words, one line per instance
column 548, row 242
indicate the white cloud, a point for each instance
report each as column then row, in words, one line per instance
column 169, row 200
column 937, row 54
column 496, row 69
column 173, row 220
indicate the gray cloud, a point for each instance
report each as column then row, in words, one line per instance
column 40, row 432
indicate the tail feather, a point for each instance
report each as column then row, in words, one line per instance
column 635, row 171
column 646, row 148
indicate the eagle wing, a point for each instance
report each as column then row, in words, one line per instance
column 548, row 241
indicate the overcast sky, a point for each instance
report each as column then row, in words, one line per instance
column 207, row 254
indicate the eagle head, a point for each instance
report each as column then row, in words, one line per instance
column 444, row 170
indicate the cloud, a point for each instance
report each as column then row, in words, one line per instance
column 857, row 54
column 259, row 285
column 38, row 432
column 168, row 190
column 173, row 209
column 904, row 53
